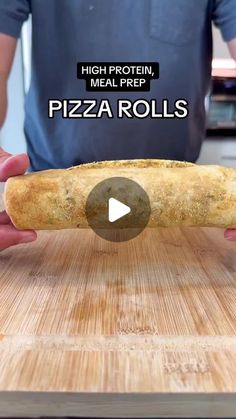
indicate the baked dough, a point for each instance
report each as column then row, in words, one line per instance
column 180, row 194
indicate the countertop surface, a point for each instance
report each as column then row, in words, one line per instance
column 144, row 328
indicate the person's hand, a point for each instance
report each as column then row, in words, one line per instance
column 9, row 235
column 230, row 234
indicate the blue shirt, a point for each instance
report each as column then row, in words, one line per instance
column 176, row 33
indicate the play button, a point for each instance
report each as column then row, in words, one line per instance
column 118, row 209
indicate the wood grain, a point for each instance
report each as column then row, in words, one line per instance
column 144, row 328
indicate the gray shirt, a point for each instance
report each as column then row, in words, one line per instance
column 176, row 33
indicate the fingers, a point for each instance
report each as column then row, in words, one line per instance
column 12, row 165
column 230, row 235
column 10, row 236
column 4, row 218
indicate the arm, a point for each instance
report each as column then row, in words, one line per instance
column 9, row 165
column 231, row 234
column 7, row 51
column 224, row 17
column 232, row 48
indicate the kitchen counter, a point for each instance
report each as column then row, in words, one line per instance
column 218, row 150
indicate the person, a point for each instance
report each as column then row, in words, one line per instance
column 175, row 33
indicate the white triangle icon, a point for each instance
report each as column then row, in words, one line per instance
column 117, row 210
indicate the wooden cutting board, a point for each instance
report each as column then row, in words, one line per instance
column 144, row 328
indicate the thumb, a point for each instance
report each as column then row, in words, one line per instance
column 12, row 165
column 4, row 155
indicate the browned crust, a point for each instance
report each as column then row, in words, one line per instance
column 119, row 164
column 138, row 163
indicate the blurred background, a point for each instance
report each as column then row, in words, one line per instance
column 219, row 146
